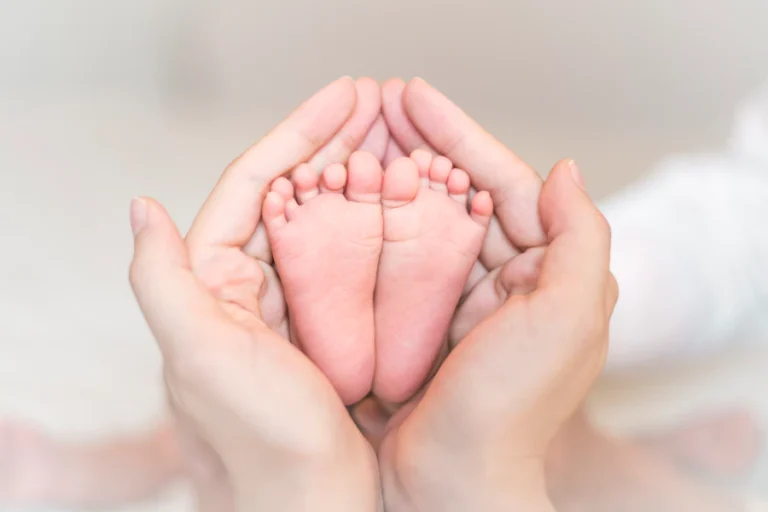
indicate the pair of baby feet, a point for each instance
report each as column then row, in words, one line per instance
column 373, row 265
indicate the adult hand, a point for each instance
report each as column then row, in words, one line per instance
column 478, row 436
column 250, row 404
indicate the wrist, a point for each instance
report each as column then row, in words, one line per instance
column 448, row 479
column 345, row 481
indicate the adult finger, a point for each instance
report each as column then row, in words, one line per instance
column 377, row 140
column 169, row 295
column 575, row 270
column 497, row 248
column 392, row 153
column 514, row 186
column 406, row 135
column 354, row 132
column 519, row 276
column 230, row 215
column 560, row 327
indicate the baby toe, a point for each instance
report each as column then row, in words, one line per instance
column 438, row 174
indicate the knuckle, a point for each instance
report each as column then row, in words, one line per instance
column 613, row 290
column 601, row 224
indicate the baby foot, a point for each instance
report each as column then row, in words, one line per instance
column 326, row 237
column 431, row 242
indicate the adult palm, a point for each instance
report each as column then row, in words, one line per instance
column 530, row 337
column 240, row 391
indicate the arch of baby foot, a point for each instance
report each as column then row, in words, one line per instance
column 433, row 234
column 326, row 235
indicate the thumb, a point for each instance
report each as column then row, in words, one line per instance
column 576, row 264
column 170, row 297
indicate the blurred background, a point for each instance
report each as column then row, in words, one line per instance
column 103, row 100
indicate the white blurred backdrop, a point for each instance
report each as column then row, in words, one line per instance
column 103, row 100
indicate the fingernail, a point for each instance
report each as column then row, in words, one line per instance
column 577, row 176
column 138, row 215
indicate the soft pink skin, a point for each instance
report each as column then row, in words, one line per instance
column 431, row 242
column 326, row 236
column 326, row 244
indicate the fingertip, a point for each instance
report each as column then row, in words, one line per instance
column 157, row 244
column 346, row 80
column 416, row 82
column 294, row 140
column 570, row 170
column 367, row 81
column 138, row 215
column 367, row 86
column 578, row 178
column 342, row 92
column 565, row 204
column 413, row 89
column 148, row 215
column 393, row 85
column 578, row 254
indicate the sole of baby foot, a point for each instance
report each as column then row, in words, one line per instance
column 431, row 242
column 326, row 237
